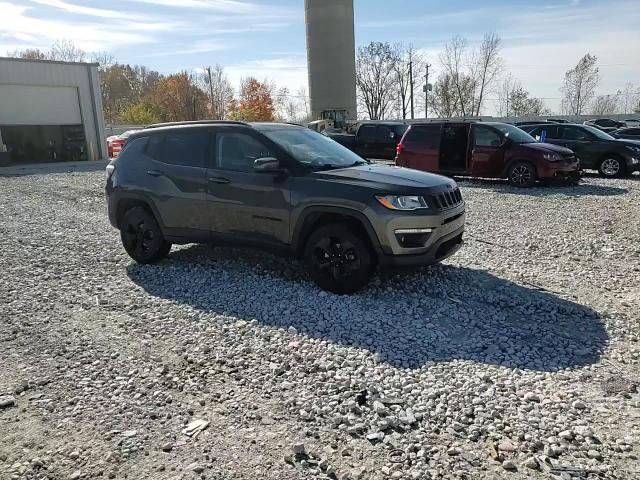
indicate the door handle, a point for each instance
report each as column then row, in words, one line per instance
column 155, row 173
column 219, row 180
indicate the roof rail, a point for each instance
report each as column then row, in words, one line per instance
column 196, row 122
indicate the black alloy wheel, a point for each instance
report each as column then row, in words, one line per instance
column 522, row 174
column 141, row 236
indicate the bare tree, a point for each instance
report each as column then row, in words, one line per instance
column 305, row 107
column 486, row 65
column 444, row 100
column 629, row 98
column 408, row 66
column 578, row 88
column 220, row 92
column 452, row 60
column 66, row 51
column 515, row 101
column 375, row 79
column 605, row 104
column 29, row 53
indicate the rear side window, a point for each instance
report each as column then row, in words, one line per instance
column 367, row 133
column 134, row 147
column 154, row 147
column 424, row 137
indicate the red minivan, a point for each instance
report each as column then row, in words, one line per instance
column 485, row 149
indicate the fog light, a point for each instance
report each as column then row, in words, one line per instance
column 413, row 237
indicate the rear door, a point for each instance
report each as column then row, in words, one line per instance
column 246, row 204
column 421, row 148
column 581, row 142
column 487, row 155
column 176, row 179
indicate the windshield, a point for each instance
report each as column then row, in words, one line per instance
column 598, row 133
column 313, row 149
column 514, row 133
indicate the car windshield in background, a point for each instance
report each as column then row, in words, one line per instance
column 514, row 133
column 598, row 133
column 313, row 149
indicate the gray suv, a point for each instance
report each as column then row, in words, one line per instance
column 284, row 188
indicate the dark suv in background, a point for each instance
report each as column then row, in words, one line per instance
column 485, row 149
column 594, row 148
column 281, row 187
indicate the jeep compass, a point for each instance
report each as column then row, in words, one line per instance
column 280, row 187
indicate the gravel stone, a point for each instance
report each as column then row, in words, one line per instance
column 224, row 358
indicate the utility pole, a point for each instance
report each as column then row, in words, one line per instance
column 426, row 93
column 411, row 87
column 211, row 90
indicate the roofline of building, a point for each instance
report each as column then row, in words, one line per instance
column 58, row 62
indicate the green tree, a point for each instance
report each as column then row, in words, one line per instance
column 143, row 113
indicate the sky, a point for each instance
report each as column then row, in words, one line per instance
column 266, row 38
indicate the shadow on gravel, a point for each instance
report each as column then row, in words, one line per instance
column 543, row 190
column 437, row 314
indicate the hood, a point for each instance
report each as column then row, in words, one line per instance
column 548, row 147
column 386, row 175
column 626, row 141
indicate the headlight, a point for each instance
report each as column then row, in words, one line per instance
column 551, row 157
column 401, row 202
column 634, row 149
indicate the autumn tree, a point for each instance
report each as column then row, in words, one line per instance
column 579, row 86
column 29, row 54
column 143, row 113
column 180, row 97
column 255, row 103
column 451, row 97
column 375, row 79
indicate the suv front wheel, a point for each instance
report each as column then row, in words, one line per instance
column 141, row 236
column 338, row 259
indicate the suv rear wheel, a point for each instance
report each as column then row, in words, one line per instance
column 141, row 236
column 611, row 167
column 338, row 259
column 522, row 174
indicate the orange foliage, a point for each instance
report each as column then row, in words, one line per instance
column 255, row 103
column 180, row 98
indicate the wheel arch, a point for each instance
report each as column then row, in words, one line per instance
column 126, row 203
column 312, row 218
column 513, row 161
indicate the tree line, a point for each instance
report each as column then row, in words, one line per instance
column 387, row 74
column 389, row 79
column 137, row 95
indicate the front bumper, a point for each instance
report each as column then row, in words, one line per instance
column 443, row 239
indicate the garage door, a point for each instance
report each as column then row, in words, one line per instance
column 38, row 105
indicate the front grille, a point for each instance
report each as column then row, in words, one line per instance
column 448, row 199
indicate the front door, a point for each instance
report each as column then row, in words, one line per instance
column 580, row 141
column 487, row 155
column 246, row 204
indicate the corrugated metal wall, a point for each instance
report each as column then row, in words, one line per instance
column 82, row 76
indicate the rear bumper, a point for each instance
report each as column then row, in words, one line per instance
column 441, row 249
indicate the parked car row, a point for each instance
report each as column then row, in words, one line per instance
column 115, row 143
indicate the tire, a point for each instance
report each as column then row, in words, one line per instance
column 141, row 236
column 611, row 167
column 522, row 174
column 338, row 259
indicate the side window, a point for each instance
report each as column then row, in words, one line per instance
column 237, row 151
column 385, row 134
column 154, row 147
column 188, row 149
column 134, row 147
column 486, row 137
column 367, row 133
column 633, row 131
column 424, row 137
column 574, row 133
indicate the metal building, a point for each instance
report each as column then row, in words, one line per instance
column 50, row 111
column 331, row 59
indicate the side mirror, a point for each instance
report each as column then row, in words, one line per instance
column 267, row 164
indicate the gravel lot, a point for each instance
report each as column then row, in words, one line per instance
column 518, row 358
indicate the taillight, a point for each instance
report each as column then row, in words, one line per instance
column 399, row 149
column 109, row 170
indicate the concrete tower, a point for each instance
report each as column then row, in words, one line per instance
column 331, row 58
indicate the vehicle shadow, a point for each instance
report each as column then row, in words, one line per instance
column 543, row 190
column 437, row 314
